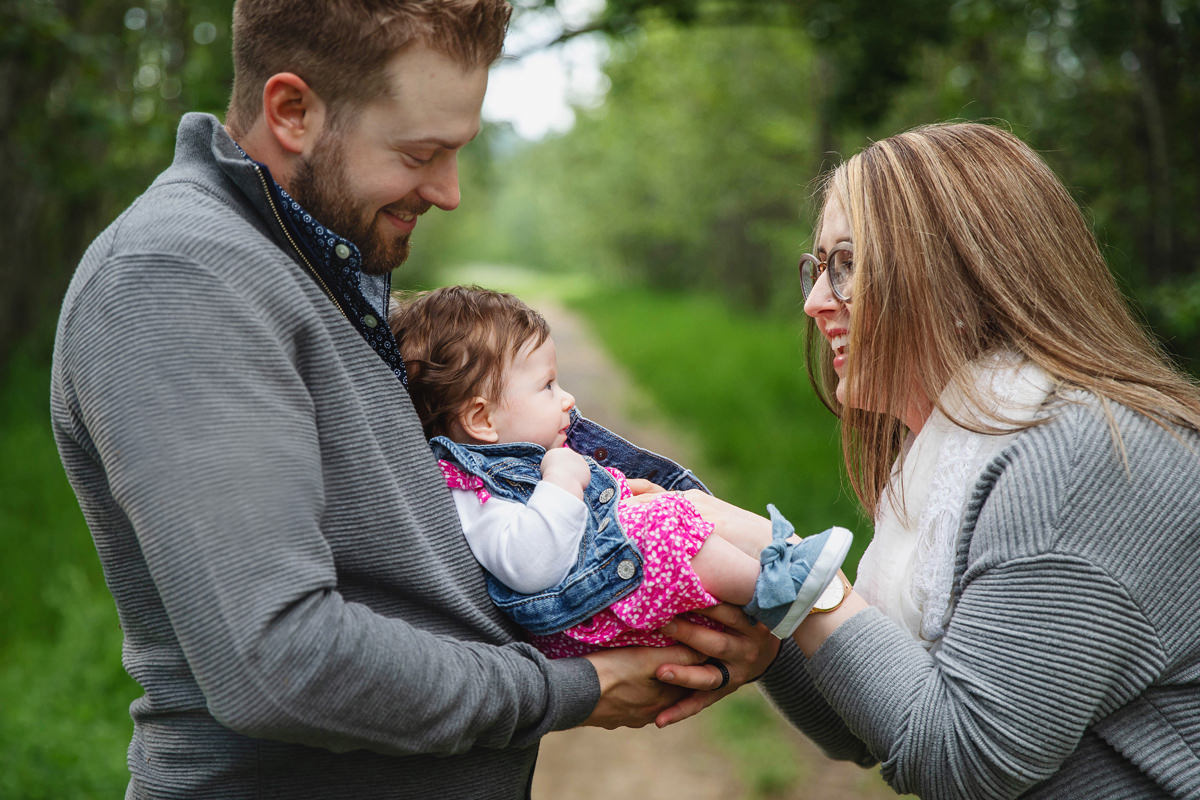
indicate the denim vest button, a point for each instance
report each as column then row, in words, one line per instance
column 370, row 321
column 606, row 495
column 342, row 251
column 600, row 454
column 603, row 524
column 626, row 569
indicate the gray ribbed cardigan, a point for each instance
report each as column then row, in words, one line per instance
column 297, row 598
column 1071, row 664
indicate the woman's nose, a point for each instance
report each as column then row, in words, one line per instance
column 821, row 299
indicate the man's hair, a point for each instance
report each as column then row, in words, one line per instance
column 966, row 243
column 341, row 47
column 457, row 342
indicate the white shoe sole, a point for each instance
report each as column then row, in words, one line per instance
column 822, row 574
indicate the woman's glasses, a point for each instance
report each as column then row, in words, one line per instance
column 839, row 262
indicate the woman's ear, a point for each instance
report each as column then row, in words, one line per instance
column 476, row 421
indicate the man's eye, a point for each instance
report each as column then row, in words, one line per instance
column 417, row 160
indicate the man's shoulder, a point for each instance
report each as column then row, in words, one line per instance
column 178, row 221
column 183, row 215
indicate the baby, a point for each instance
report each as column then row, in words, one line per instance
column 571, row 554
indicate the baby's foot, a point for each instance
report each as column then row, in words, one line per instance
column 793, row 575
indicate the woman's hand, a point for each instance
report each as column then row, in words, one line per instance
column 745, row 648
column 641, row 486
column 749, row 531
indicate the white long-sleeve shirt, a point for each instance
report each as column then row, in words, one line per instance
column 528, row 547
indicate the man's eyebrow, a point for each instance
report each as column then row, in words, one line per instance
column 435, row 141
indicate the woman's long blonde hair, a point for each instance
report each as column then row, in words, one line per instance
column 965, row 243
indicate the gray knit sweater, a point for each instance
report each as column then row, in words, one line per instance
column 1071, row 664
column 297, row 598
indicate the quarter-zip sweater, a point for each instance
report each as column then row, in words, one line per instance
column 297, row 599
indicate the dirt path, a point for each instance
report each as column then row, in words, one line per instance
column 682, row 760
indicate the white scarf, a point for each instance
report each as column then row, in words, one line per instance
column 908, row 568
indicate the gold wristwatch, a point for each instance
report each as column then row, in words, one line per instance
column 834, row 595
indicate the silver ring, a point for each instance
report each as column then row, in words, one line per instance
column 719, row 664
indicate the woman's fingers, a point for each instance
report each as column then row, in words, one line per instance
column 744, row 648
column 689, row 706
column 741, row 641
column 730, row 616
column 643, row 486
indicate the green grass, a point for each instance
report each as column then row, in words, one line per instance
column 65, row 724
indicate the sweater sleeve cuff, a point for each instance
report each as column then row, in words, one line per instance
column 578, row 688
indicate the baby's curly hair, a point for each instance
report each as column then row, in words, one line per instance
column 457, row 342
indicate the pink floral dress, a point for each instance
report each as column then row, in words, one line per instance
column 668, row 532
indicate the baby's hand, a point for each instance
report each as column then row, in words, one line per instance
column 566, row 469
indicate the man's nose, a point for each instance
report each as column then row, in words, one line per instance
column 441, row 183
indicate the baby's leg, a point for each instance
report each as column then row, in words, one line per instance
column 750, row 533
column 727, row 572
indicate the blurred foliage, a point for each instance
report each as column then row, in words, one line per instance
column 90, row 95
column 65, row 725
column 695, row 171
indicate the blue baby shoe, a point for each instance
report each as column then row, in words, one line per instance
column 793, row 575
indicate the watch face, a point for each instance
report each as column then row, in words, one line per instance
column 831, row 597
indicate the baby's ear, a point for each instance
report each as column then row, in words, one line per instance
column 476, row 421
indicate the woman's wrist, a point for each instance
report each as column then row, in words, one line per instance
column 816, row 628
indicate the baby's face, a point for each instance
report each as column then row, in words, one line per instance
column 532, row 406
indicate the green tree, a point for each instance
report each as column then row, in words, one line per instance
column 91, row 94
column 1109, row 91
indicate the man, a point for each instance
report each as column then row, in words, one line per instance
column 297, row 599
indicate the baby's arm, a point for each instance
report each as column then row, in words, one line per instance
column 567, row 470
column 529, row 548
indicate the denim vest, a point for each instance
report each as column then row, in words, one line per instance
column 608, row 566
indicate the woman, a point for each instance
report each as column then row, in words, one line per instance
column 1026, row 621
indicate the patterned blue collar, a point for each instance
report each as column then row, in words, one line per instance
column 337, row 264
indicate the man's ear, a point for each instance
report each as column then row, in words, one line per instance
column 293, row 112
column 476, row 421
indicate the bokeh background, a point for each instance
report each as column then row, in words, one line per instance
column 668, row 206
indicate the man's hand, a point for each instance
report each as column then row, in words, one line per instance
column 567, row 470
column 745, row 648
column 630, row 694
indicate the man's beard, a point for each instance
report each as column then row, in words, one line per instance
column 321, row 187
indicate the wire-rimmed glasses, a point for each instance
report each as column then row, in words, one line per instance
column 838, row 262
